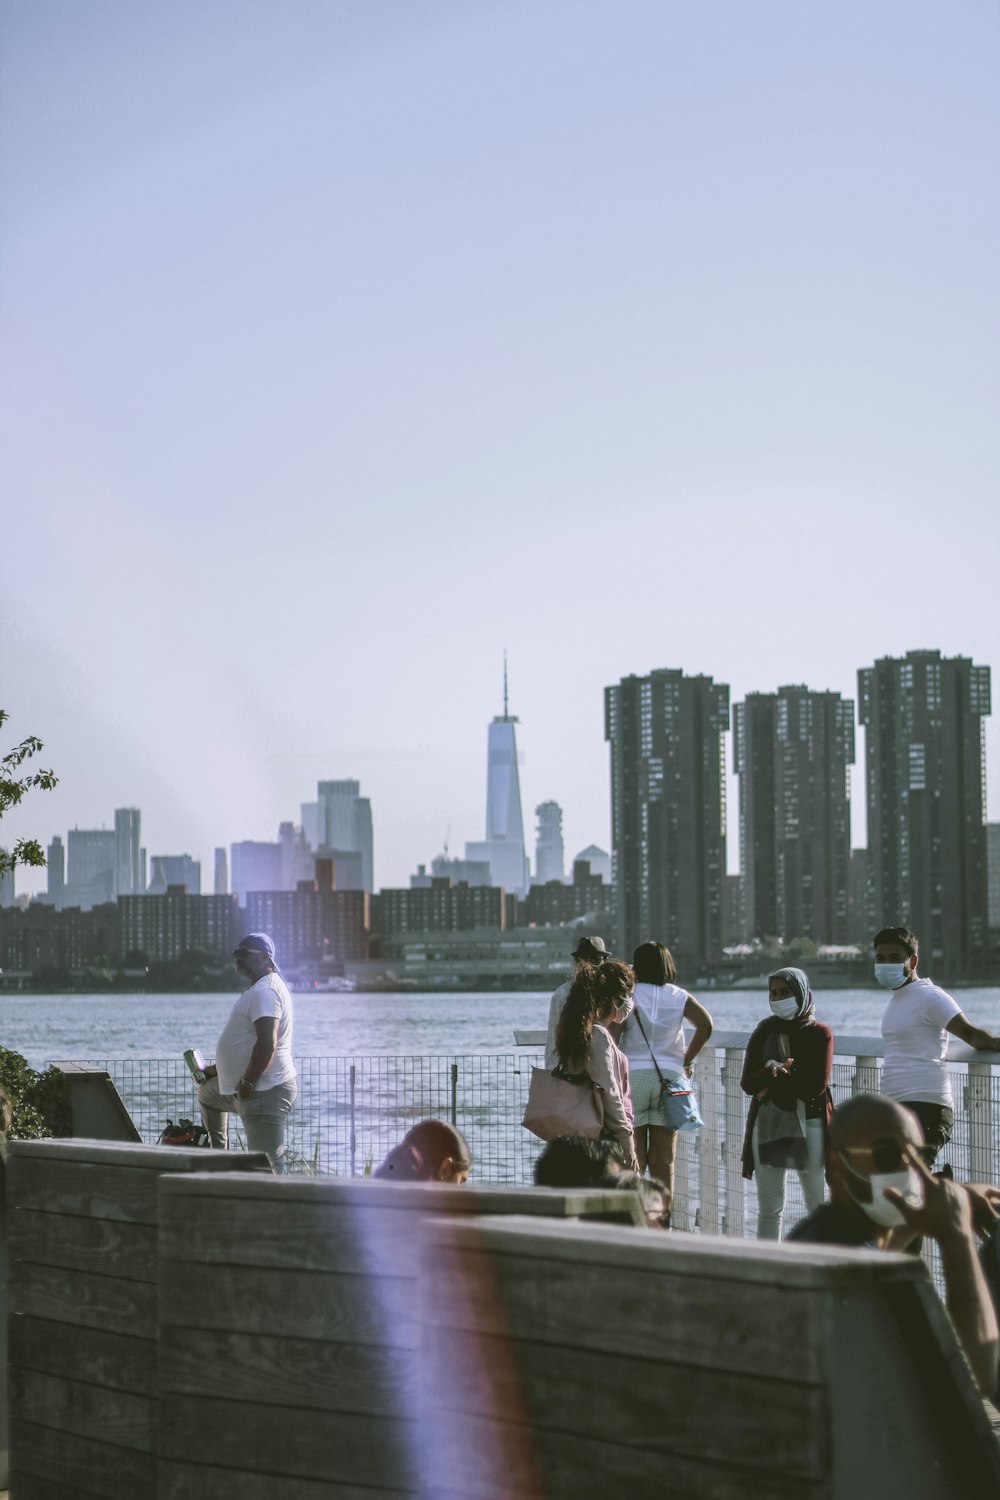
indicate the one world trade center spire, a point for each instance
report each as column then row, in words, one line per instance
column 503, row 846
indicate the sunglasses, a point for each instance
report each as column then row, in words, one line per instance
column 885, row 1156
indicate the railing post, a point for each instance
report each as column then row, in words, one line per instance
column 354, row 1139
column 732, row 1144
column 710, row 1144
column 865, row 1080
column 454, row 1093
column 979, row 1101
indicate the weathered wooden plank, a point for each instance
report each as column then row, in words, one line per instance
column 296, row 1444
column 136, row 1154
column 84, row 1299
column 301, row 1304
column 95, row 1466
column 471, row 1459
column 357, row 1233
column 106, row 1181
column 108, row 1246
column 30, row 1487
column 659, row 1405
column 121, row 1418
column 88, row 1189
column 183, row 1481
column 93, row 1355
column 428, row 1197
column 282, row 1371
column 717, row 1322
column 314, row 1235
column 612, row 1245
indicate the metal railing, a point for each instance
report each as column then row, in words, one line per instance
column 352, row 1110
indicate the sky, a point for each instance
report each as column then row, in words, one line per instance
column 344, row 345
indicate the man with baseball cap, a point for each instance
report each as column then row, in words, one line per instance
column 589, row 950
column 254, row 1072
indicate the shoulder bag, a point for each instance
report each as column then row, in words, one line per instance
column 680, row 1105
column 563, row 1104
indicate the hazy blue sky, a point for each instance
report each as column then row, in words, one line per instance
column 344, row 344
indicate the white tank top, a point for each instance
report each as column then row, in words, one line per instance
column 661, row 1009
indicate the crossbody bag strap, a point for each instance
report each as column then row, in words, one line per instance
column 652, row 1054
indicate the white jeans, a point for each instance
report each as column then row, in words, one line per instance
column 771, row 1183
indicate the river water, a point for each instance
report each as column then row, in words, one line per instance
column 64, row 1027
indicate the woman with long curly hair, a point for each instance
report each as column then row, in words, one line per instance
column 600, row 995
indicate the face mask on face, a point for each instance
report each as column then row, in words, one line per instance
column 891, row 976
column 785, row 1010
column 880, row 1210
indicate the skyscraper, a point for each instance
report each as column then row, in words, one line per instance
column 129, row 880
column 55, row 873
column 923, row 716
column 792, row 750
column 668, row 811
column 503, row 845
column 343, row 824
column 221, row 873
column 549, row 856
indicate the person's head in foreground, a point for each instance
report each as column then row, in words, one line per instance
column 874, row 1144
column 433, row 1151
column 254, row 957
column 576, row 1161
column 599, row 994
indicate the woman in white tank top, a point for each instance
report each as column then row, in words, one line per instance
column 655, row 1030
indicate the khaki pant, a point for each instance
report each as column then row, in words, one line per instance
column 264, row 1116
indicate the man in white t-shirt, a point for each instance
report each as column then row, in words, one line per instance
column 915, row 1029
column 254, row 1072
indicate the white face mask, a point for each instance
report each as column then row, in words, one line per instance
column 891, row 976
column 785, row 1010
column 880, row 1210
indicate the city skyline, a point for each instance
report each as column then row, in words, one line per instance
column 734, row 794
column 342, row 347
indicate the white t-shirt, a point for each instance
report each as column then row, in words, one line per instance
column 268, row 997
column 661, row 1009
column 916, row 1043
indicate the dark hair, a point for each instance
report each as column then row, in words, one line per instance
column 595, row 991
column 654, row 964
column 423, row 1151
column 901, row 936
column 575, row 1161
column 654, row 1195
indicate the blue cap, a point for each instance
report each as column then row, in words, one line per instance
column 258, row 942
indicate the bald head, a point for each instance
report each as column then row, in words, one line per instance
column 871, row 1117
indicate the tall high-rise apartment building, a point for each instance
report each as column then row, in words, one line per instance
column 668, row 811
column 993, row 872
column 792, row 750
column 90, row 867
column 503, row 845
column 549, row 853
column 129, row 873
column 923, row 715
column 221, row 873
column 55, row 872
column 8, row 889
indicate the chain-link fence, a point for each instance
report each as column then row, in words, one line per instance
column 351, row 1110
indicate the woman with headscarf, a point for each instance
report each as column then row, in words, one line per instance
column 786, row 1071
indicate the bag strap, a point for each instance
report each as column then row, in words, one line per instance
column 638, row 1017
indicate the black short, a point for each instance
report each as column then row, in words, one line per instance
column 937, row 1122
